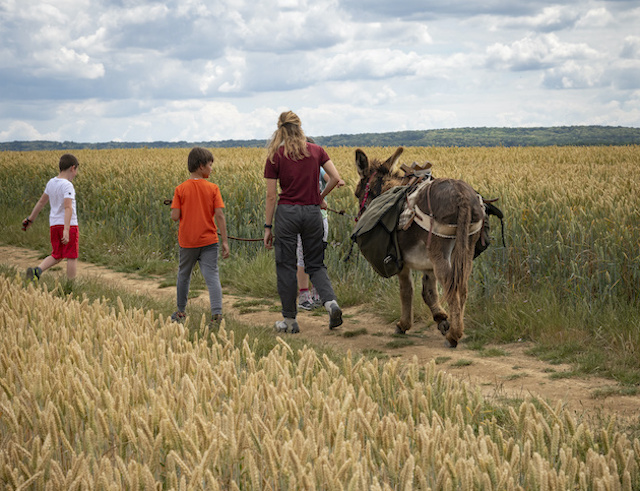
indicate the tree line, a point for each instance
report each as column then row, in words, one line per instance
column 452, row 137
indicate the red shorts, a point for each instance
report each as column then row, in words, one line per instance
column 60, row 250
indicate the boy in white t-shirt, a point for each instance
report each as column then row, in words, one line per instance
column 63, row 219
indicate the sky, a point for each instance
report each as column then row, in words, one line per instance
column 197, row 70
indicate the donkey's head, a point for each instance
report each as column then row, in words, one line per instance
column 375, row 176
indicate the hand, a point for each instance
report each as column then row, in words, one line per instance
column 340, row 183
column 268, row 238
column 323, row 205
column 65, row 237
column 25, row 224
column 225, row 250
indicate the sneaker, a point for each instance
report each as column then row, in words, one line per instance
column 33, row 273
column 315, row 298
column 283, row 326
column 304, row 300
column 178, row 316
column 335, row 314
column 216, row 321
column 306, row 305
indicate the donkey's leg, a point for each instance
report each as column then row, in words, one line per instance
column 464, row 286
column 406, row 298
column 459, row 299
column 431, row 298
column 444, row 272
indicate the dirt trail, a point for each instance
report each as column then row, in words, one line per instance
column 515, row 374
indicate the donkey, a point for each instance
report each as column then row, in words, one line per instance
column 448, row 258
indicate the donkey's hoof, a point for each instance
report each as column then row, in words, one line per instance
column 443, row 327
column 451, row 343
column 400, row 329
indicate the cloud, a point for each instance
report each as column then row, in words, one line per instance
column 573, row 75
column 554, row 18
column 536, row 52
column 185, row 69
column 631, row 47
column 20, row 131
column 598, row 17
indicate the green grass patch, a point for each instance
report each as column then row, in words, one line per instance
column 515, row 376
column 442, row 359
column 492, row 353
column 462, row 362
column 400, row 342
column 604, row 392
column 354, row 333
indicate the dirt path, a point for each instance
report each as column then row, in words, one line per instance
column 514, row 374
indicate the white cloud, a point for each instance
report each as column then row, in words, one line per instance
column 536, row 52
column 573, row 75
column 20, row 131
column 598, row 17
column 631, row 47
column 143, row 70
column 552, row 18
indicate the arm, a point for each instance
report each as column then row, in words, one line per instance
column 334, row 180
column 270, row 208
column 221, row 223
column 68, row 212
column 44, row 199
column 175, row 214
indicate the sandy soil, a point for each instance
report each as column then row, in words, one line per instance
column 513, row 375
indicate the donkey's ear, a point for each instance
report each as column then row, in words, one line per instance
column 362, row 163
column 391, row 161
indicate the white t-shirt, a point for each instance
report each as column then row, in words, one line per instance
column 58, row 189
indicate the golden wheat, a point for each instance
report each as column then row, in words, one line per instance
column 106, row 398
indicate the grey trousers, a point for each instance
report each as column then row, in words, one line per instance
column 305, row 220
column 207, row 256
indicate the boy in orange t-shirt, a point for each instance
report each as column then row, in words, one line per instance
column 197, row 204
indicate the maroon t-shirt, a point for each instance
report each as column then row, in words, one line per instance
column 298, row 178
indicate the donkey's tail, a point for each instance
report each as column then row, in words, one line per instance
column 461, row 255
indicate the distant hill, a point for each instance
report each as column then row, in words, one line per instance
column 454, row 137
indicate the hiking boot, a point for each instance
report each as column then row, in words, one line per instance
column 216, row 321
column 178, row 316
column 335, row 314
column 283, row 326
column 33, row 274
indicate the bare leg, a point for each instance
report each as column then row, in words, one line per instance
column 303, row 278
column 72, row 268
column 48, row 262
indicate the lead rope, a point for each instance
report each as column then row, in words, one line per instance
column 431, row 219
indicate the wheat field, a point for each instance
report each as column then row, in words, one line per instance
column 568, row 278
column 99, row 397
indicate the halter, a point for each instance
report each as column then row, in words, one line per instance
column 363, row 204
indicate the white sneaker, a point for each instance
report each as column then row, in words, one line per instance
column 286, row 327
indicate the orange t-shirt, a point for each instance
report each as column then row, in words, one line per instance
column 197, row 200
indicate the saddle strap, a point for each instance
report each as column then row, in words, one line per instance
column 412, row 212
column 444, row 230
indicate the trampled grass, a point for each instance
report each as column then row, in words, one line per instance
column 568, row 278
column 102, row 396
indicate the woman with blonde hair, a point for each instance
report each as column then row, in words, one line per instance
column 295, row 163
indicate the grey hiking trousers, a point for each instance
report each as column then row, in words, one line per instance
column 207, row 257
column 306, row 220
